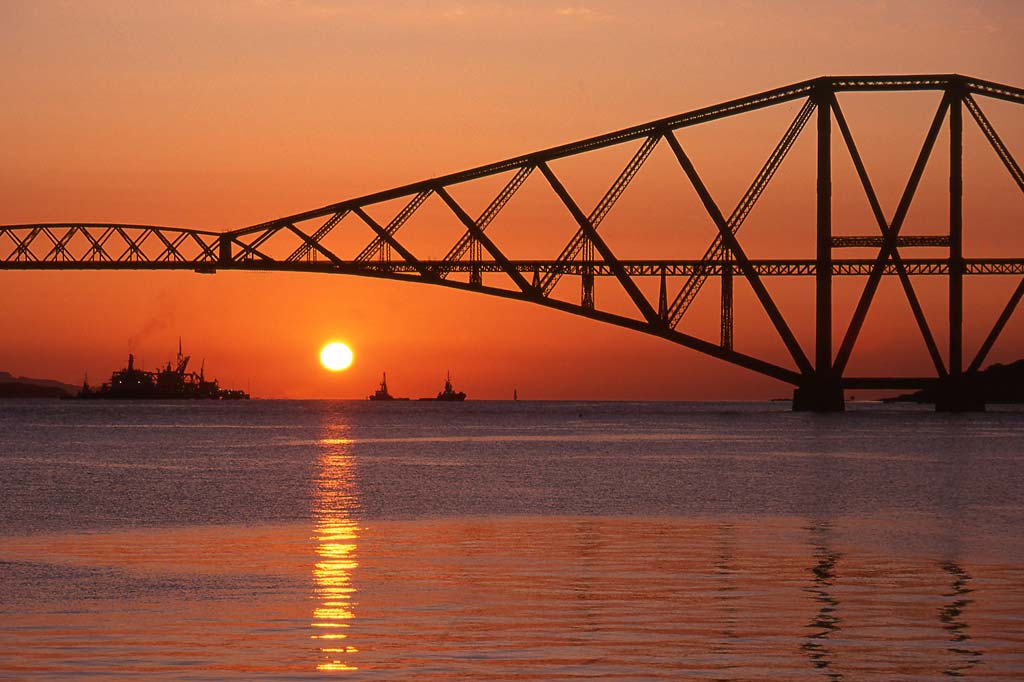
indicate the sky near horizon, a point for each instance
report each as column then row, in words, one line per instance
column 225, row 114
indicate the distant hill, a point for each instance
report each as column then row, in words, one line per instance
column 998, row 383
column 25, row 387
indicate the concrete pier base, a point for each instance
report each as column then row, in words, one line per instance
column 958, row 396
column 819, row 398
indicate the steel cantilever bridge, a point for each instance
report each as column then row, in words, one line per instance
column 819, row 380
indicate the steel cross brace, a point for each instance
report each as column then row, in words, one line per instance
column 251, row 249
column 379, row 242
column 785, row 333
column 486, row 242
column 578, row 240
column 171, row 252
column 883, row 225
column 133, row 247
column 23, row 247
column 997, row 329
column 1015, row 171
column 59, row 250
column 649, row 313
column 994, row 140
column 308, row 245
column 208, row 249
column 96, row 245
column 390, row 240
column 490, row 213
column 688, row 292
column 890, row 249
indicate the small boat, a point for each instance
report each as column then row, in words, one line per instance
column 448, row 394
column 382, row 392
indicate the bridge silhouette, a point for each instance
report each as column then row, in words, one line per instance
column 298, row 242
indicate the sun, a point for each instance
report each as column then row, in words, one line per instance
column 336, row 356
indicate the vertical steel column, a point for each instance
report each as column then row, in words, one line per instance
column 476, row 278
column 823, row 275
column 587, row 285
column 956, row 236
column 587, row 291
column 822, row 391
column 223, row 250
column 957, row 392
column 727, row 308
column 663, row 297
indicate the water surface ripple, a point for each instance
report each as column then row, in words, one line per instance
column 509, row 541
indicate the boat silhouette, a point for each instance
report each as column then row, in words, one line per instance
column 382, row 392
column 172, row 381
column 449, row 394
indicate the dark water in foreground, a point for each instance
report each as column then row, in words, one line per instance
column 545, row 541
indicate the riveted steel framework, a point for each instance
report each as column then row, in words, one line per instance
column 587, row 255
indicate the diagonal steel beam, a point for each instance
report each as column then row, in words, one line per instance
column 578, row 241
column 993, row 139
column 59, row 250
column 374, row 247
column 307, row 246
column 252, row 248
column 590, row 233
column 489, row 214
column 486, row 242
column 390, row 240
column 133, row 247
column 997, row 328
column 23, row 247
column 207, row 250
column 170, row 251
column 990, row 89
column 684, row 299
column 312, row 246
column 96, row 244
column 890, row 233
column 248, row 250
column 177, row 245
column 785, row 333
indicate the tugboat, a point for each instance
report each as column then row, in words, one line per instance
column 382, row 392
column 448, row 394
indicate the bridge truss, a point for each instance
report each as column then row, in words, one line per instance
column 819, row 379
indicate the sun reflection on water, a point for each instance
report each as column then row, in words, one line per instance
column 335, row 534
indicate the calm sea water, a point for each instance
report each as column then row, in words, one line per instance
column 479, row 541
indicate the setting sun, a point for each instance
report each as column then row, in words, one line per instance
column 336, row 356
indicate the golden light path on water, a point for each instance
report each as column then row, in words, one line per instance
column 335, row 535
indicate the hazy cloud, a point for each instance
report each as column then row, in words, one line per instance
column 582, row 13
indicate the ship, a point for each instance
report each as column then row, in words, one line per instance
column 171, row 382
column 382, row 392
column 448, row 394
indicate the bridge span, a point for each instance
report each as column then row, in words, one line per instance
column 476, row 262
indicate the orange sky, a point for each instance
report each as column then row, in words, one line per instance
column 221, row 116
